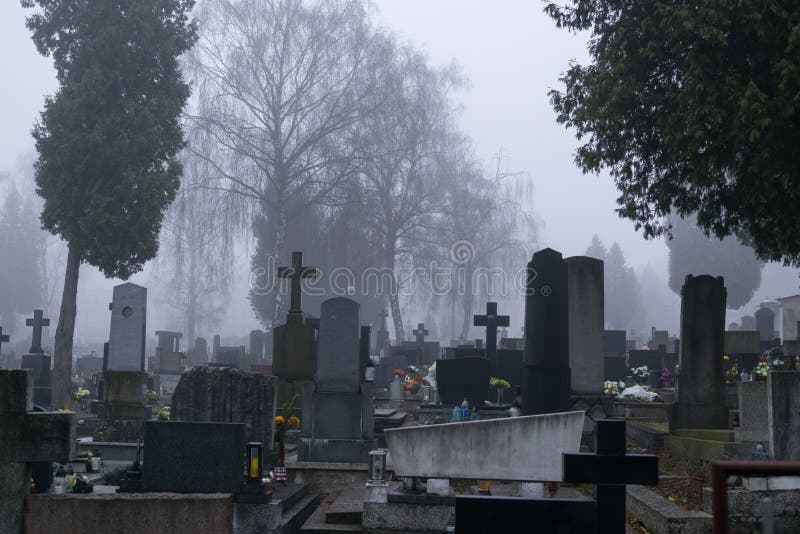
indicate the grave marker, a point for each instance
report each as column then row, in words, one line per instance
column 382, row 340
column 546, row 376
column 491, row 321
column 37, row 322
column 419, row 335
column 463, row 378
column 586, row 323
column 128, row 328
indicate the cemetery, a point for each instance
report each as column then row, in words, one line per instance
column 575, row 430
column 297, row 267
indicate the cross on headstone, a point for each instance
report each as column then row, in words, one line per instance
column 37, row 322
column 491, row 321
column 610, row 469
column 296, row 273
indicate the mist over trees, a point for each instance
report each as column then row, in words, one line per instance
column 341, row 141
column 692, row 252
column 624, row 309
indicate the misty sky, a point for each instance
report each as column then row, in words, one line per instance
column 511, row 52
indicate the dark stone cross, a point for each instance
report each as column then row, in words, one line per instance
column 296, row 273
column 491, row 321
column 37, row 322
column 610, row 469
column 420, row 334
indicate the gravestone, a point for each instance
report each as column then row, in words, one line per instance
column 198, row 355
column 468, row 351
column 753, row 412
column 512, row 343
column 230, row 357
column 614, row 369
column 546, row 375
column 789, row 316
column 168, row 355
column 743, row 347
column 429, row 350
column 40, row 363
column 294, row 344
column 733, row 327
column 382, row 342
column 86, row 365
column 652, row 359
column 657, row 338
column 463, row 378
column 419, row 339
column 227, row 395
column 341, row 407
column 783, row 400
column 128, row 327
column 25, row 438
column 765, row 324
column 491, row 320
column 181, row 457
column 3, row 339
column 509, row 366
column 121, row 414
column 258, row 347
column 615, row 343
column 748, row 324
column 215, row 347
column 385, row 369
column 700, row 392
column 586, row 323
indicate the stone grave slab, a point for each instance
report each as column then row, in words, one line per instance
column 463, row 378
column 337, row 360
column 783, row 394
column 183, row 457
column 293, row 352
column 586, row 321
column 516, row 515
column 524, row 448
column 753, row 412
column 128, row 328
column 333, row 415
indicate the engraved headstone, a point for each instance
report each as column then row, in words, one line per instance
column 586, row 323
column 126, row 343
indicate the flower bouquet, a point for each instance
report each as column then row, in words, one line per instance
column 287, row 421
column 500, row 385
column 763, row 368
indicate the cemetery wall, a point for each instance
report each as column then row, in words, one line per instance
column 154, row 513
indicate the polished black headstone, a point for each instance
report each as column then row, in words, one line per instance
column 546, row 380
column 653, row 359
column 182, row 457
column 615, row 369
column 509, row 366
column 510, row 515
column 463, row 377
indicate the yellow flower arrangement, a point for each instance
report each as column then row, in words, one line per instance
column 279, row 420
column 294, row 421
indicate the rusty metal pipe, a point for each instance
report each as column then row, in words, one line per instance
column 722, row 469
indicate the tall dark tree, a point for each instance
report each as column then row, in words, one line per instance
column 692, row 106
column 692, row 252
column 108, row 139
column 21, row 261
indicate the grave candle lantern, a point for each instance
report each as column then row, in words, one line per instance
column 377, row 467
column 369, row 372
column 255, row 453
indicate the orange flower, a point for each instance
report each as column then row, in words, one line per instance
column 279, row 420
column 294, row 422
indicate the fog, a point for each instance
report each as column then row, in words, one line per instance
column 512, row 54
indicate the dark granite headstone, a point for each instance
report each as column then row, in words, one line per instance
column 42, row 377
column 765, row 324
column 182, row 457
column 337, row 359
column 546, row 380
column 363, row 349
column 515, row 515
column 615, row 369
column 509, row 366
column 385, row 369
column 614, row 343
column 652, row 359
column 463, row 378
column 468, row 352
column 700, row 395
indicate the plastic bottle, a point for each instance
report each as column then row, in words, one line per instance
column 465, row 410
column 456, row 415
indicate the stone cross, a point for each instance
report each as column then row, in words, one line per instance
column 37, row 322
column 296, row 273
column 491, row 321
column 420, row 334
column 610, row 469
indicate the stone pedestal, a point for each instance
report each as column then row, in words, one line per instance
column 123, row 412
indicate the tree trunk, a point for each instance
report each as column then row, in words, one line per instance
column 277, row 255
column 62, row 357
column 394, row 297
